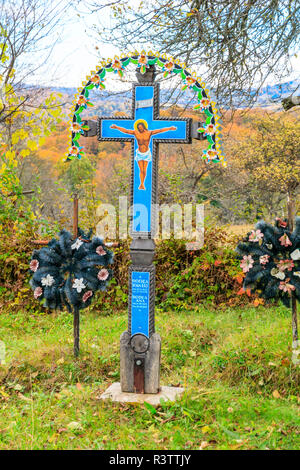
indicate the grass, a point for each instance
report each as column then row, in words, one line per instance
column 242, row 392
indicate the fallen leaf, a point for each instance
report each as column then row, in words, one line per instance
column 203, row 445
column 74, row 425
column 206, row 429
column 20, row 395
column 60, row 361
column 276, row 394
column 60, row 430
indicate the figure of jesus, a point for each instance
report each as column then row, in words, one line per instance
column 143, row 153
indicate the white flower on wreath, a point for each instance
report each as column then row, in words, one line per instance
column 77, row 244
column 47, row 281
column 278, row 274
column 295, row 255
column 78, row 285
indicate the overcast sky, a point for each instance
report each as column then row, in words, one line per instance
column 75, row 53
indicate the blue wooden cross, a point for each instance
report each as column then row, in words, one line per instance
column 145, row 129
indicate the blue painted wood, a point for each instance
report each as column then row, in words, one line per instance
column 140, row 293
column 145, row 104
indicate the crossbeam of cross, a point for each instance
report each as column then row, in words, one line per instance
column 145, row 129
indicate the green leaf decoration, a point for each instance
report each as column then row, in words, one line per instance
column 200, row 92
column 79, row 110
column 208, row 113
column 77, row 137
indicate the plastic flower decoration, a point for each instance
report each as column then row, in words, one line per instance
column 203, row 104
column 270, row 258
column 84, row 102
column 188, row 83
column 207, row 129
column 118, row 67
column 75, row 152
column 98, row 81
column 143, row 63
column 168, row 68
column 255, row 236
column 210, row 155
column 78, row 127
column 68, row 272
column 247, row 263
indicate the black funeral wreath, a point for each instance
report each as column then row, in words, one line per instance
column 270, row 259
column 68, row 272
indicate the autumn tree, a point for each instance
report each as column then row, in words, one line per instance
column 270, row 157
column 27, row 113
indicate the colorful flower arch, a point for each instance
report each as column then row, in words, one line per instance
column 211, row 129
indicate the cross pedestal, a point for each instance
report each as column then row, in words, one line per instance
column 140, row 345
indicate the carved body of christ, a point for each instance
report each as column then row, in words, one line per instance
column 145, row 129
column 143, row 153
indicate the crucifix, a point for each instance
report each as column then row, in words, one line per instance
column 140, row 345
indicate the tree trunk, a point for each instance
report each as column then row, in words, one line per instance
column 290, row 102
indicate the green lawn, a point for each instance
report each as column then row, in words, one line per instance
column 242, row 392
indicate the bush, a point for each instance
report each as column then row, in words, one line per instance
column 183, row 278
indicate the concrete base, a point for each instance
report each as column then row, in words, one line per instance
column 115, row 393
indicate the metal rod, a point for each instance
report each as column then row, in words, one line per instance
column 76, row 325
column 75, row 215
column 291, row 207
column 139, row 375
